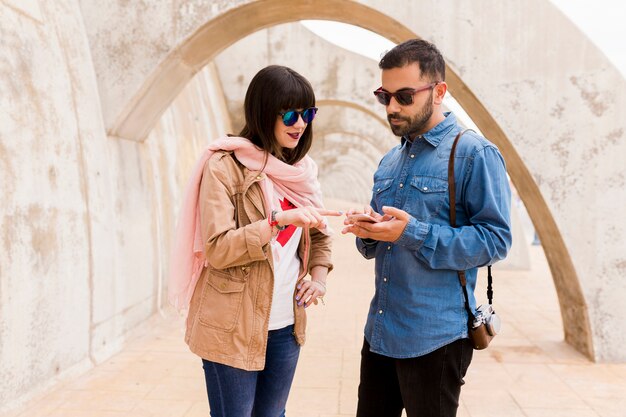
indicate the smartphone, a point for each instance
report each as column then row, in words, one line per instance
column 360, row 217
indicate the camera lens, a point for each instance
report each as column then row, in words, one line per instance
column 493, row 324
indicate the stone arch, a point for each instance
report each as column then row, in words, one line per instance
column 156, row 93
column 356, row 106
column 354, row 157
column 383, row 142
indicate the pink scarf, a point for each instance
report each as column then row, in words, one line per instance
column 298, row 183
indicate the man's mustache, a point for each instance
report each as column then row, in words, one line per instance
column 396, row 116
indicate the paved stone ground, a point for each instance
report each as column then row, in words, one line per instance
column 528, row 371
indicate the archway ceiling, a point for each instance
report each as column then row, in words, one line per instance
column 334, row 72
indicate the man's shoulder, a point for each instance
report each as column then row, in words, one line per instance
column 471, row 143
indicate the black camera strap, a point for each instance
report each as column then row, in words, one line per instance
column 452, row 196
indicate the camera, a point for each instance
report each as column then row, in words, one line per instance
column 485, row 315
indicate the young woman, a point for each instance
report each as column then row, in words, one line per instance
column 252, row 228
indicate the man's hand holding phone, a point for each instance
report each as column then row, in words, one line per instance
column 367, row 215
column 368, row 224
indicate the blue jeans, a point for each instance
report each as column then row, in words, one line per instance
column 235, row 392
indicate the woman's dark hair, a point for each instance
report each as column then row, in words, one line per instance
column 432, row 65
column 274, row 89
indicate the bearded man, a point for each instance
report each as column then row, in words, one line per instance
column 416, row 349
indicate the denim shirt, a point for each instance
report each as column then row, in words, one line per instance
column 418, row 304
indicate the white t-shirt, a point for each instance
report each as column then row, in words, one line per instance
column 286, row 268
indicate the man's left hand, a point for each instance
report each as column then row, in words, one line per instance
column 384, row 231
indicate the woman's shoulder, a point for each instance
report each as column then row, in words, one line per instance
column 223, row 160
column 223, row 165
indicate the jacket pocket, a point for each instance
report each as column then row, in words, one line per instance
column 427, row 196
column 222, row 297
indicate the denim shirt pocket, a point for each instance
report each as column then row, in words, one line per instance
column 426, row 197
column 382, row 193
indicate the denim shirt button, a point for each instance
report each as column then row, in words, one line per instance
column 385, row 279
column 389, row 247
column 380, row 312
column 401, row 185
column 425, row 188
column 412, row 156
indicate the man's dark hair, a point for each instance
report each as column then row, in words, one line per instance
column 274, row 89
column 432, row 65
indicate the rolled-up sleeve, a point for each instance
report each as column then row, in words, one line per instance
column 320, row 250
column 367, row 247
column 226, row 245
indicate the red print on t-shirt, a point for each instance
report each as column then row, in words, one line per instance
column 284, row 235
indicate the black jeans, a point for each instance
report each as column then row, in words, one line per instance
column 426, row 386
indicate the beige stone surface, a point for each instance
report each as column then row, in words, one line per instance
column 85, row 217
column 528, row 371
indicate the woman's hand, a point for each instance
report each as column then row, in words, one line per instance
column 309, row 291
column 305, row 217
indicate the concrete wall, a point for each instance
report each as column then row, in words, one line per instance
column 50, row 129
column 86, row 218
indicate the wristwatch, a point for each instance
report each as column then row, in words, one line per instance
column 273, row 222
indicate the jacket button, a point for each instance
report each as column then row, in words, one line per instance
column 223, row 286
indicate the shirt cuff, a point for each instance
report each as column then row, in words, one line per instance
column 365, row 246
column 413, row 235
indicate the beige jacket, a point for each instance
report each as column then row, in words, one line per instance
column 230, row 307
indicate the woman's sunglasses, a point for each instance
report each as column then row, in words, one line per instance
column 290, row 117
column 404, row 97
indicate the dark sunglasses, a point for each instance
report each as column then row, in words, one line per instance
column 404, row 97
column 290, row 117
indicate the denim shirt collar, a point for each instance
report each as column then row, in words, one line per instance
column 435, row 135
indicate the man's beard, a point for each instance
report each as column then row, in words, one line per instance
column 415, row 124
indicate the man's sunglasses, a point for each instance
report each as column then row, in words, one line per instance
column 404, row 97
column 290, row 117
